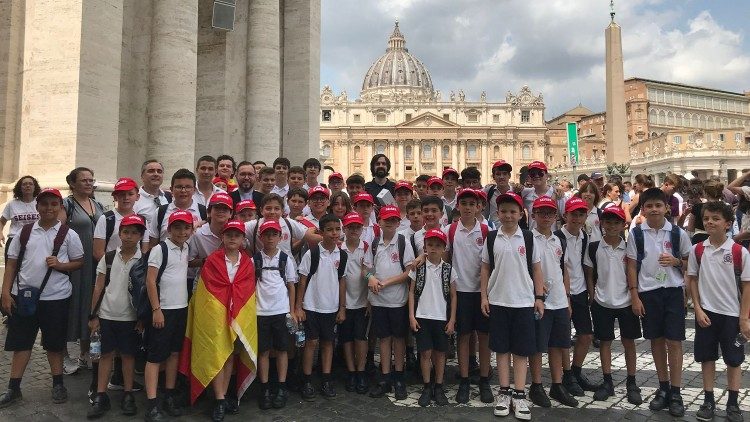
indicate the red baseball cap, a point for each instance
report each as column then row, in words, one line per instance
column 124, row 184
column 450, row 170
column 246, row 204
column 234, row 225
column 218, row 179
column 463, row 193
column 402, row 184
column 49, row 191
column 221, row 198
column 538, row 165
column 318, row 189
column 180, row 215
column 614, row 210
column 363, row 196
column 389, row 211
column 512, row 195
column 336, row 175
column 436, row 233
column 352, row 218
column 132, row 220
column 576, row 203
column 434, row 179
column 502, row 164
column 270, row 225
column 544, row 202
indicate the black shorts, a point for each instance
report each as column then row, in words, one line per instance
column 553, row 330
column 512, row 330
column 354, row 326
column 722, row 331
column 604, row 322
column 120, row 336
column 162, row 342
column 390, row 322
column 272, row 333
column 665, row 313
column 469, row 316
column 51, row 318
column 581, row 313
column 431, row 335
column 319, row 326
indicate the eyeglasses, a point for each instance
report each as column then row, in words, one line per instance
column 183, row 188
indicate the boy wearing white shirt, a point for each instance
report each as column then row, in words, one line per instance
column 125, row 194
column 553, row 329
column 657, row 291
column 363, row 205
column 718, row 272
column 323, row 305
column 183, row 186
column 272, row 208
column 207, row 238
column 605, row 266
column 432, row 314
column 432, row 215
column 275, row 298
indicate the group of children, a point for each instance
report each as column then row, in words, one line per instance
column 419, row 270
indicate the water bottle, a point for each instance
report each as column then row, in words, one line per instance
column 291, row 326
column 299, row 337
column 740, row 340
column 537, row 315
column 95, row 347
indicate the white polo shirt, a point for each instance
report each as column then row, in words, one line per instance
column 656, row 242
column 716, row 282
column 432, row 304
column 282, row 192
column 146, row 204
column 322, row 291
column 297, row 233
column 19, row 214
column 387, row 264
column 153, row 226
column 593, row 227
column 271, row 291
column 612, row 284
column 574, row 244
column 356, row 286
column 200, row 198
column 34, row 265
column 510, row 284
column 173, row 292
column 116, row 304
column 100, row 232
column 466, row 255
column 368, row 233
column 203, row 242
column 551, row 252
column 232, row 267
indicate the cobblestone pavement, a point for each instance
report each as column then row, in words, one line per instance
column 37, row 405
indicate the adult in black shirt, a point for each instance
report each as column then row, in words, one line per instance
column 380, row 166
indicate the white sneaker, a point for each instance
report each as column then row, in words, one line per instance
column 502, row 405
column 70, row 365
column 521, row 408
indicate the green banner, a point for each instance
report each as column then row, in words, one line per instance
column 573, row 142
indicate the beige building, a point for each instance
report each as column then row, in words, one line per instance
column 401, row 114
column 109, row 83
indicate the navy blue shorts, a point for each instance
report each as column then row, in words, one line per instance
column 390, row 322
column 581, row 313
column 512, row 330
column 162, row 342
column 722, row 332
column 665, row 313
column 320, row 326
column 354, row 326
column 553, row 330
column 604, row 322
column 120, row 336
column 272, row 333
column 51, row 318
column 431, row 335
column 469, row 316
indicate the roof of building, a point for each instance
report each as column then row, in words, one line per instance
column 686, row 86
column 579, row 111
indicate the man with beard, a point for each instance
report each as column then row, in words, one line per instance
column 152, row 176
column 246, row 176
column 380, row 165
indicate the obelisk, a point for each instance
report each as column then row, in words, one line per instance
column 617, row 135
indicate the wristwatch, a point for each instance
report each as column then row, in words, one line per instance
column 539, row 297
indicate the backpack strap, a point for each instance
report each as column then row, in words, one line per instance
column 109, row 258
column 23, row 238
column 675, row 236
column 109, row 220
column 62, row 232
column 491, row 236
column 365, row 246
column 289, row 226
column 255, row 237
column 314, row 262
column 445, row 277
column 564, row 246
column 528, row 240
column 164, row 258
column 699, row 249
column 376, row 230
column 452, row 233
column 282, row 265
column 484, row 229
column 401, row 241
column 343, row 258
column 203, row 212
column 375, row 244
column 421, row 276
column 593, row 247
column 639, row 252
column 160, row 214
column 737, row 263
column 413, row 244
column 258, row 264
column 584, row 245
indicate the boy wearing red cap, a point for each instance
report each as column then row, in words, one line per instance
column 106, row 232
column 27, row 270
column 114, row 316
column 538, row 176
column 245, row 210
column 169, row 301
column 207, row 238
column 318, row 201
column 450, row 181
column 432, row 314
column 363, row 205
column 336, row 182
column 553, row 329
column 604, row 265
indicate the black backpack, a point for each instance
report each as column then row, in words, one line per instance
column 528, row 240
column 593, row 247
column 445, row 279
column 137, row 283
column 281, row 268
column 315, row 262
column 564, row 246
column 400, row 240
column 162, row 212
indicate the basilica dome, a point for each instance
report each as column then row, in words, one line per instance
column 397, row 73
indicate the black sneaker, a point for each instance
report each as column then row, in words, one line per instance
column 171, row 407
column 127, row 405
column 362, row 383
column 706, row 412
column 231, row 405
column 676, row 407
column 734, row 414
column 219, row 411
column 426, row 397
column 381, row 389
column 9, row 397
column 400, row 389
column 485, row 392
column 634, row 395
column 660, row 400
column 351, row 382
column 561, row 395
column 605, row 391
column 570, row 384
column 585, row 383
column 279, row 400
column 439, row 396
column 327, row 390
column 154, row 415
column 264, row 399
column 308, row 391
column 59, row 394
column 462, row 395
column 100, row 407
column 538, row 396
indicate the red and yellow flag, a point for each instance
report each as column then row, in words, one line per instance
column 220, row 314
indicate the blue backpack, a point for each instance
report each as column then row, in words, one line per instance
column 137, row 283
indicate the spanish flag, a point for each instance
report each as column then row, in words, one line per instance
column 221, row 314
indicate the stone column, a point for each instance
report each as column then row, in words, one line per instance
column 485, row 166
column 12, row 21
column 417, row 157
column 391, row 151
column 439, row 158
column 461, row 154
column 344, row 164
column 454, row 154
column 172, row 84
column 399, row 163
column 263, row 109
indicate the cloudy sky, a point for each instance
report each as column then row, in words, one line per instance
column 554, row 46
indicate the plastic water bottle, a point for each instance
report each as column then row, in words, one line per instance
column 537, row 315
column 95, row 347
column 740, row 340
column 291, row 326
column 299, row 337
